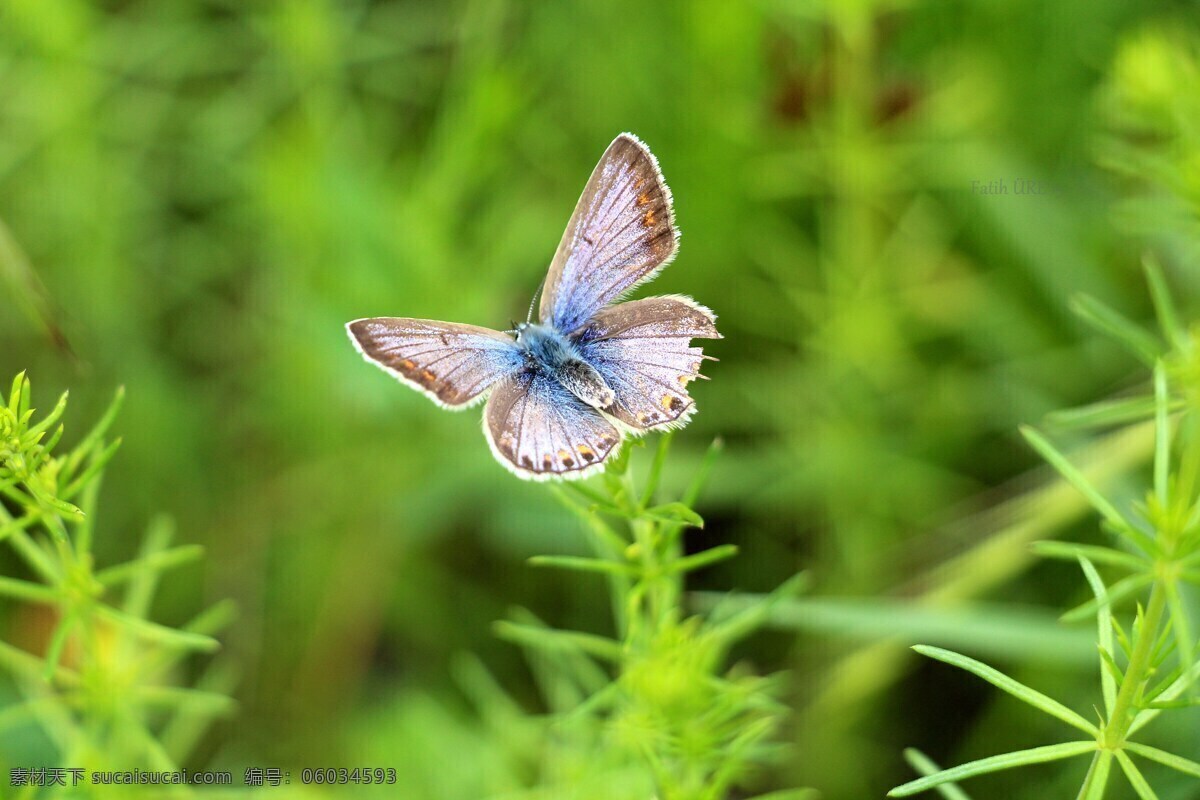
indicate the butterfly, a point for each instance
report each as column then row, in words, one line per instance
column 561, row 392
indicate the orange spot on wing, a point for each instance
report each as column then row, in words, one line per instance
column 648, row 219
column 643, row 199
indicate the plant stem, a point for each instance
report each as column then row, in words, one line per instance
column 1123, row 712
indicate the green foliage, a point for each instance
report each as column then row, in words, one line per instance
column 1155, row 665
column 658, row 698
column 106, row 682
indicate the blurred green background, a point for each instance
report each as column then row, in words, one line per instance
column 196, row 196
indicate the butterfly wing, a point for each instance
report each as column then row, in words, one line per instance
column 453, row 365
column 539, row 430
column 643, row 351
column 621, row 234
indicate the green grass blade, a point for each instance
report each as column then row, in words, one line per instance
column 1007, row 684
column 1019, row 758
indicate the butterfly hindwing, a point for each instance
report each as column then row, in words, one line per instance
column 643, row 351
column 452, row 364
column 540, row 430
column 621, row 233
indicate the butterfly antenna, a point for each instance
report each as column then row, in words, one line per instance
column 533, row 302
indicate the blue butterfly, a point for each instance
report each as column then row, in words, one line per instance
column 562, row 391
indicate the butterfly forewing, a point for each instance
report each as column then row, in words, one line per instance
column 643, row 351
column 622, row 232
column 454, row 365
column 540, row 430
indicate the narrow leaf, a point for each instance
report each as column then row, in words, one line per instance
column 154, row 562
column 1007, row 684
column 924, row 765
column 1105, row 413
column 1109, row 321
column 1096, row 782
column 1103, row 555
column 1076, row 478
column 1184, row 765
column 550, row 639
column 581, row 564
column 674, row 512
column 1120, row 590
column 1134, row 775
column 1160, row 294
column 711, row 556
column 1105, row 633
column 1019, row 758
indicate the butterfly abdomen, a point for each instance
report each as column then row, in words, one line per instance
column 582, row 380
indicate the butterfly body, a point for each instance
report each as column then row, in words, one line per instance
column 550, row 351
column 562, row 394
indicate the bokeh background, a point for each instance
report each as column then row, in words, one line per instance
column 196, row 196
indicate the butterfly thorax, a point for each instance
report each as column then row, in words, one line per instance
column 552, row 353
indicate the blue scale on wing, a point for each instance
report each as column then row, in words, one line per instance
column 643, row 351
column 540, row 430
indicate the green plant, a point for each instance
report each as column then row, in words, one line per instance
column 105, row 685
column 1153, row 664
column 653, row 709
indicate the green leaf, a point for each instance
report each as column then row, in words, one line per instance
column 49, row 419
column 1184, row 765
column 1162, row 435
column 1120, row 590
column 582, row 564
column 700, row 479
column 1020, row 758
column 1104, row 638
column 711, row 556
column 94, row 436
column 159, row 634
column 1096, row 782
column 1109, row 321
column 153, row 562
column 656, row 468
column 1180, row 625
column 1104, row 555
column 752, row 616
column 924, row 765
column 1160, row 294
column 1007, row 684
column 556, row 640
column 674, row 512
column 1073, row 475
column 25, row 590
column 1105, row 413
column 1134, row 775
